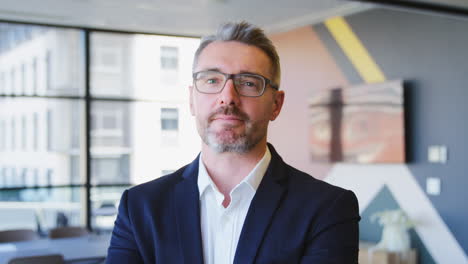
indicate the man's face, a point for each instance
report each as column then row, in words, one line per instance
column 227, row 121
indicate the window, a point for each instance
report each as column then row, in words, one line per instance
column 23, row 78
column 76, row 116
column 13, row 134
column 13, row 177
column 107, row 59
column 169, row 127
column 107, row 128
column 2, row 82
column 5, row 176
column 75, row 169
column 12, row 80
column 107, row 170
column 2, row 178
column 36, row 177
column 169, row 119
column 49, row 176
column 2, row 135
column 48, row 68
column 24, row 131
column 105, row 203
column 169, row 65
column 34, row 74
column 169, row 58
column 24, row 177
column 49, row 129
column 112, row 59
column 35, row 132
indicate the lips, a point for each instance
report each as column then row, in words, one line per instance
column 227, row 118
column 228, row 114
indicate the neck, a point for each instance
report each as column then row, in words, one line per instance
column 229, row 169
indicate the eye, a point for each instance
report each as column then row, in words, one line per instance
column 211, row 81
column 250, row 84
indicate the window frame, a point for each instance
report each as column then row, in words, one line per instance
column 10, row 77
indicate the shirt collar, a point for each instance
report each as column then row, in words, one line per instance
column 253, row 179
column 204, row 181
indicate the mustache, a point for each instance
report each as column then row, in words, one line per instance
column 229, row 110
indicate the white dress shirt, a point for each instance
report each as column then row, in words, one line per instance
column 221, row 227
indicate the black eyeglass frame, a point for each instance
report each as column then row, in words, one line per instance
column 228, row 76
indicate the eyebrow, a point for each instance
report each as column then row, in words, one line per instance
column 242, row 72
column 254, row 73
column 212, row 69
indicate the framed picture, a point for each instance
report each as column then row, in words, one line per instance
column 359, row 124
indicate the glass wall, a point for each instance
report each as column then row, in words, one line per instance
column 63, row 137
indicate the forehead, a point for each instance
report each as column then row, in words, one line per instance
column 234, row 57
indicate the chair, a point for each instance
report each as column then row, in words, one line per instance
column 16, row 235
column 68, row 231
column 46, row 259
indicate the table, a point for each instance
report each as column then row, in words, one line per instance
column 71, row 248
column 368, row 255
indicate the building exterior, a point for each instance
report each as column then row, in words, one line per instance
column 140, row 124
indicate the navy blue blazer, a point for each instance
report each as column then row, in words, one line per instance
column 293, row 218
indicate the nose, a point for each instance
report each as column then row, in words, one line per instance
column 229, row 95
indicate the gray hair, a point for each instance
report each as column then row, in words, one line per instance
column 246, row 33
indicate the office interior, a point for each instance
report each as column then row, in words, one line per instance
column 91, row 107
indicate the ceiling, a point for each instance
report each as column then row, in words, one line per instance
column 454, row 3
column 175, row 17
column 181, row 17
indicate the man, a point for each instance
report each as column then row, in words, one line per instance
column 237, row 202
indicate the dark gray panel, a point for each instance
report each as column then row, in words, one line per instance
column 430, row 53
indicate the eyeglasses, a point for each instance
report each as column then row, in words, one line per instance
column 246, row 84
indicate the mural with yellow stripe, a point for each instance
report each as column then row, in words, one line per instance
column 368, row 181
column 354, row 50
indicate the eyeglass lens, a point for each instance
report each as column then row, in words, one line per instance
column 245, row 84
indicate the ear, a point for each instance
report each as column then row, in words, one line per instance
column 278, row 99
column 192, row 111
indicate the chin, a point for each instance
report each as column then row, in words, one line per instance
column 231, row 143
column 230, row 139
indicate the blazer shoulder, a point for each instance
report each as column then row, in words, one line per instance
column 302, row 181
column 322, row 195
column 298, row 181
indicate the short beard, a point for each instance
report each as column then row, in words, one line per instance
column 235, row 143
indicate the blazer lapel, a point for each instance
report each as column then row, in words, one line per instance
column 261, row 210
column 187, row 210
